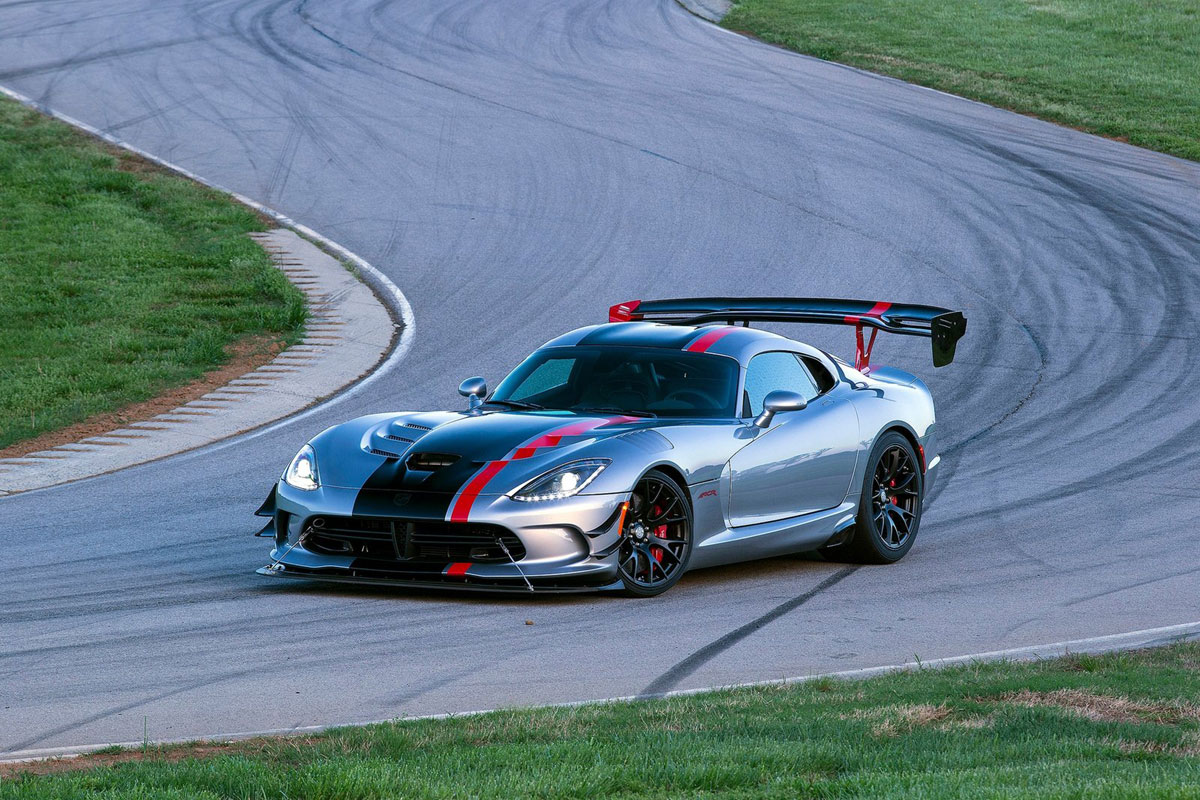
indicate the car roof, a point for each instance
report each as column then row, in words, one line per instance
column 726, row 340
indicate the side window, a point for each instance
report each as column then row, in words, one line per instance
column 770, row 371
column 823, row 377
column 552, row 374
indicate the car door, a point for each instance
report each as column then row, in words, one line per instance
column 804, row 460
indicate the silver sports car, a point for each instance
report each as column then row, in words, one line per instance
column 619, row 456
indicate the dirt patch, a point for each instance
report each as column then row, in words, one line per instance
column 169, row 754
column 244, row 356
column 1105, row 708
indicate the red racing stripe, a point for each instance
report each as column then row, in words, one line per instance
column 461, row 512
column 554, row 437
column 462, row 506
column 709, row 339
column 877, row 310
column 457, row 569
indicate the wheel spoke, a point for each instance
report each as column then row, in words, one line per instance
column 667, row 551
column 665, row 510
column 899, row 523
column 655, row 565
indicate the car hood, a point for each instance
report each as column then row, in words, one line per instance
column 441, row 451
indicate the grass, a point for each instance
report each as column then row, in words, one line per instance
column 1126, row 69
column 117, row 279
column 1119, row 726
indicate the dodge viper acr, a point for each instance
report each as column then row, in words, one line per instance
column 618, row 456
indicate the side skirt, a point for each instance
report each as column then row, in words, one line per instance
column 794, row 535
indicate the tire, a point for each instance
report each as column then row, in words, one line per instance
column 656, row 536
column 889, row 516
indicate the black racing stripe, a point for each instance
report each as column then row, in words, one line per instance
column 395, row 491
column 673, row 337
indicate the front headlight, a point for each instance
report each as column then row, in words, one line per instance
column 560, row 482
column 302, row 472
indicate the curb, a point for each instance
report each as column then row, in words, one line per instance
column 376, row 337
column 708, row 10
column 1133, row 640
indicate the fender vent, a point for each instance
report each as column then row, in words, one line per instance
column 428, row 462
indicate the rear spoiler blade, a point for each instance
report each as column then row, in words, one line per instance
column 942, row 325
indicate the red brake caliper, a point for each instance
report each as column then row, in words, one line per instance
column 895, row 501
column 660, row 532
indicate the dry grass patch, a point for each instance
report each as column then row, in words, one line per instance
column 898, row 719
column 1105, row 708
column 159, row 754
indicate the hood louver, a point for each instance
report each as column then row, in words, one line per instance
column 427, row 462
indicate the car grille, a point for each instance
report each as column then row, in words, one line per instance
column 410, row 540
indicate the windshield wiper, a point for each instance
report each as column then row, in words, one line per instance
column 521, row 404
column 611, row 410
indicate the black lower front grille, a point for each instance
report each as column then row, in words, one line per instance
column 411, row 540
column 358, row 536
column 462, row 541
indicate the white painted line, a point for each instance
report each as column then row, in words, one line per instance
column 1134, row 640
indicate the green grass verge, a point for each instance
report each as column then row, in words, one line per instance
column 117, row 279
column 1120, row 68
column 1119, row 726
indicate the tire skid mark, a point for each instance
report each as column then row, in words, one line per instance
column 680, row 671
column 105, row 55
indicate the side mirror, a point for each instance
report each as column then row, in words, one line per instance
column 777, row 402
column 475, row 389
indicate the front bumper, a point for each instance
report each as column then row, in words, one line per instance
column 565, row 545
column 931, row 474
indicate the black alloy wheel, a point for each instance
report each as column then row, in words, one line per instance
column 889, row 511
column 894, row 496
column 656, row 536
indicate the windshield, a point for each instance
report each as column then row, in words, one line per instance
column 665, row 383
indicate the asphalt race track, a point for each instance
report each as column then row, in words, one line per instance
column 515, row 167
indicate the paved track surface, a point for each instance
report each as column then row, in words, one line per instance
column 517, row 166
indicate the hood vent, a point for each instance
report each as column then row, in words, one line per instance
column 376, row 452
column 415, row 426
column 427, row 462
column 396, row 438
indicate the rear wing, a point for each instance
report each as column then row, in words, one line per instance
column 943, row 326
